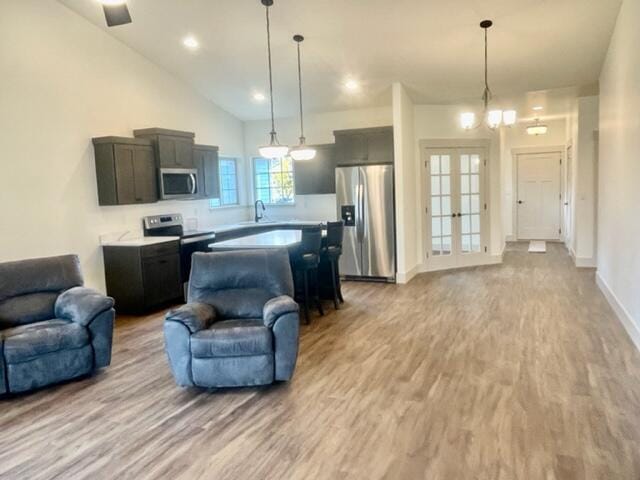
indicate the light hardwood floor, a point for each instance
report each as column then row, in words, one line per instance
column 515, row 371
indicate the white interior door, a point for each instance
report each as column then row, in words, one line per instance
column 538, row 199
column 455, row 207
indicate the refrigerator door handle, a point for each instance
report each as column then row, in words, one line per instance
column 360, row 212
column 363, row 214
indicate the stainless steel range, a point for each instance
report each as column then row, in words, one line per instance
column 190, row 240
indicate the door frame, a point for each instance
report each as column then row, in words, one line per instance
column 560, row 150
column 515, row 152
column 424, row 189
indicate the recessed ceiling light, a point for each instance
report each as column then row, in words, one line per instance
column 112, row 3
column 351, row 85
column 259, row 97
column 537, row 108
column 191, row 42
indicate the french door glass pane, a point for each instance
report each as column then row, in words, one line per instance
column 469, row 175
column 440, row 168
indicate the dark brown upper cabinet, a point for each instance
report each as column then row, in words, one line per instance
column 125, row 170
column 317, row 176
column 205, row 159
column 174, row 148
column 364, row 146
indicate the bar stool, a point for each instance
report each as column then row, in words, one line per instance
column 306, row 260
column 330, row 254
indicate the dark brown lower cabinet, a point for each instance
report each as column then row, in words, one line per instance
column 141, row 278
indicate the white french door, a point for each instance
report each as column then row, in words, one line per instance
column 455, row 207
column 538, row 196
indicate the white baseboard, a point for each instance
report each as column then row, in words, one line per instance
column 406, row 277
column 488, row 260
column 510, row 238
column 585, row 262
column 632, row 327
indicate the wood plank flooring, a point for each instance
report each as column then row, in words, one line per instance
column 513, row 371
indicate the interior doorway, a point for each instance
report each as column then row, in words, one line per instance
column 538, row 196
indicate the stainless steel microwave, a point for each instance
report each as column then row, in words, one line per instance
column 177, row 183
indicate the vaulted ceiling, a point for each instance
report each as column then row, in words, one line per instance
column 434, row 47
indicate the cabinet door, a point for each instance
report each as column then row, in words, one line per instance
column 198, row 164
column 125, row 183
column 351, row 148
column 211, row 175
column 317, row 176
column 167, row 152
column 145, row 177
column 183, row 153
column 380, row 147
column 161, row 279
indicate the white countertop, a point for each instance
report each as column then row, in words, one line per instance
column 272, row 239
column 140, row 242
column 266, row 223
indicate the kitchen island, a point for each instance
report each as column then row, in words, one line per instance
column 271, row 239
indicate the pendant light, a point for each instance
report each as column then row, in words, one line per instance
column 274, row 149
column 302, row 151
column 493, row 118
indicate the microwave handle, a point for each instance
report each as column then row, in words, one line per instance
column 192, row 179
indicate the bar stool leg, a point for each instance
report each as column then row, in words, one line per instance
column 306, row 297
column 333, row 285
column 317, row 294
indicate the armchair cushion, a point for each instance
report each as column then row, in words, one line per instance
column 232, row 338
column 81, row 305
column 36, row 339
column 276, row 307
column 194, row 316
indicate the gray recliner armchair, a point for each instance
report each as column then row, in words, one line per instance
column 51, row 328
column 240, row 325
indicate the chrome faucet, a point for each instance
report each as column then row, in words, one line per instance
column 255, row 205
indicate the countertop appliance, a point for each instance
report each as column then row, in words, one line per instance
column 178, row 183
column 365, row 197
column 190, row 240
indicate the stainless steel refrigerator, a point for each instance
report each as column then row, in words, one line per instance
column 365, row 200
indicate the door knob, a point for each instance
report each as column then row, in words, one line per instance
column 520, row 201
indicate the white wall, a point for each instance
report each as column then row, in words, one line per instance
column 406, row 185
column 584, row 204
column 619, row 170
column 435, row 122
column 63, row 82
column 516, row 137
column 318, row 130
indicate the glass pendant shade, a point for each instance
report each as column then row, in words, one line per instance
column 467, row 120
column 273, row 151
column 509, row 117
column 302, row 153
column 494, row 118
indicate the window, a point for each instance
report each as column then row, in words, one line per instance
column 273, row 180
column 228, row 170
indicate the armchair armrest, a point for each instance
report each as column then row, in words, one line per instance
column 277, row 307
column 194, row 316
column 81, row 305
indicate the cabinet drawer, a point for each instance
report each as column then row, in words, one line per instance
column 159, row 249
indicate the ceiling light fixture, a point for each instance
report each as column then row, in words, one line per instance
column 537, row 128
column 274, row 149
column 537, row 108
column 115, row 12
column 191, row 42
column 259, row 97
column 493, row 118
column 352, row 85
column 301, row 151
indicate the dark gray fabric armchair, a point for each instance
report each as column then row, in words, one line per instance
column 51, row 328
column 240, row 325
